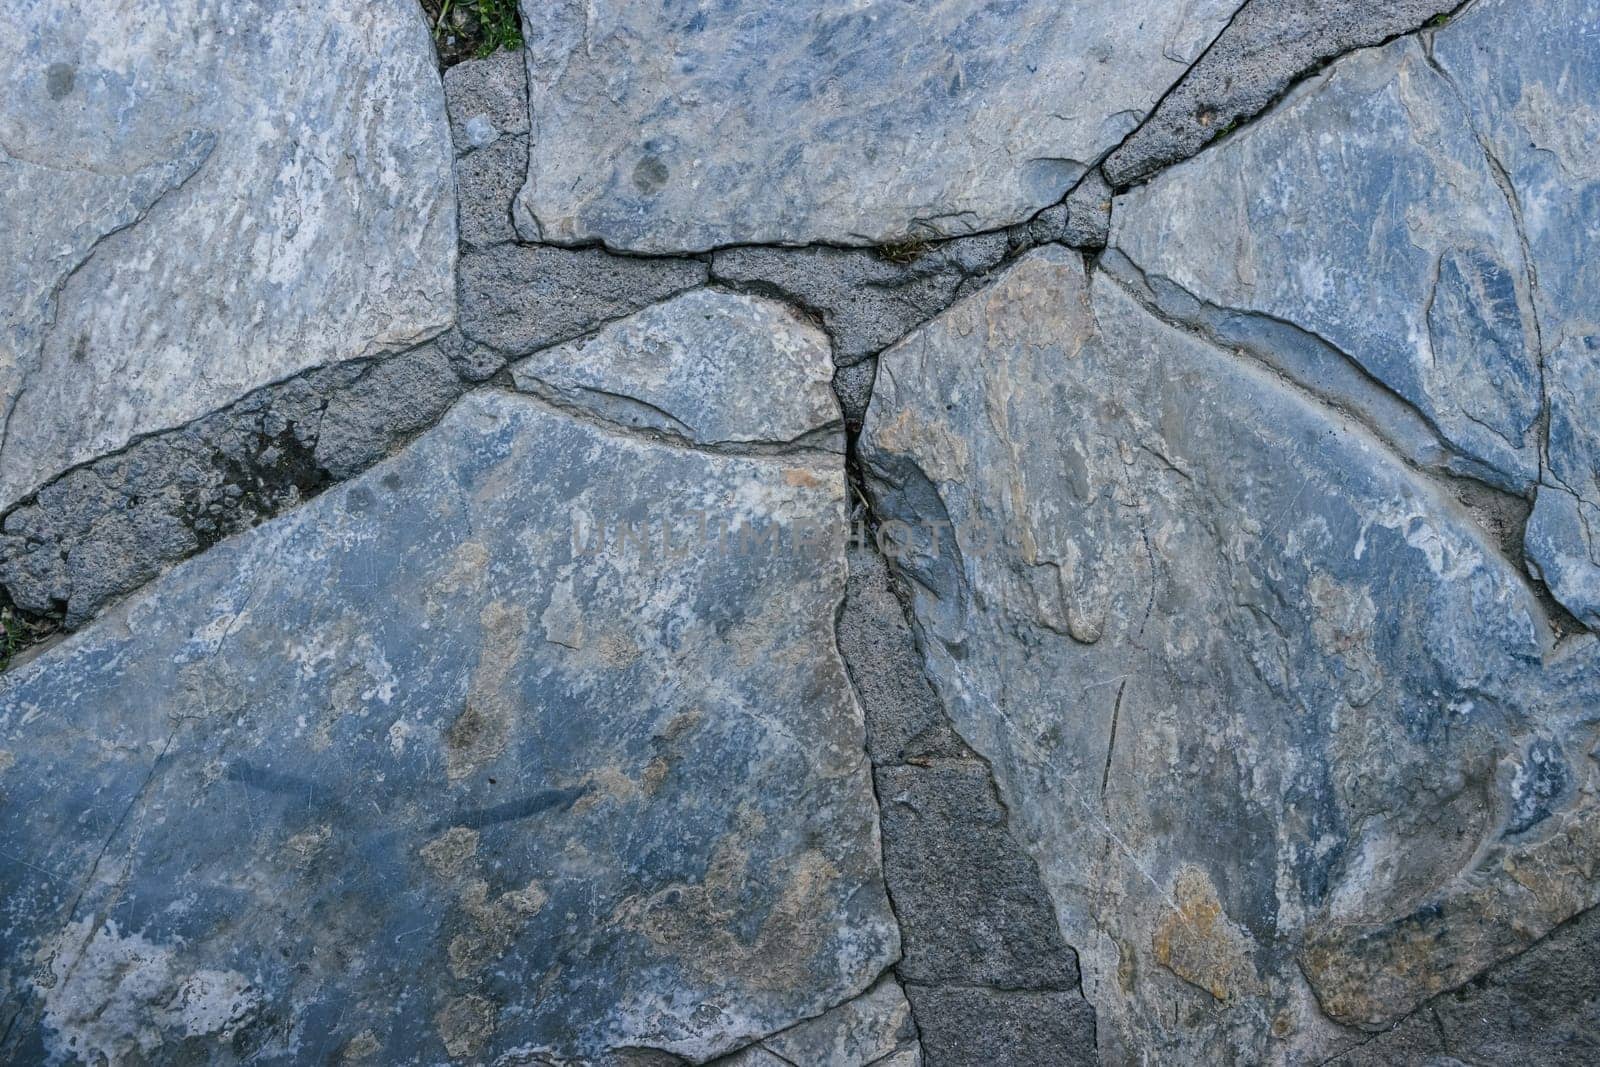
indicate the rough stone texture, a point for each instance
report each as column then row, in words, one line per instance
column 1088, row 213
column 673, row 129
column 1268, row 45
column 1538, row 1009
column 1364, row 211
column 1426, row 208
column 905, row 720
column 1004, row 1028
column 520, row 298
column 709, row 367
column 968, row 898
column 106, row 528
column 1530, row 79
column 204, row 200
column 867, row 301
column 1287, row 736
column 867, row 1030
column 487, row 99
column 486, row 183
column 405, row 774
column 971, row 906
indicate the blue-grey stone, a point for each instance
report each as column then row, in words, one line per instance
column 683, row 127
column 1530, row 78
column 413, row 773
column 1429, row 209
column 203, row 198
column 1294, row 745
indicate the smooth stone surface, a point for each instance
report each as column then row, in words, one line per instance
column 1363, row 210
column 1265, row 47
column 710, row 367
column 203, row 199
column 404, row 774
column 680, row 128
column 1288, row 738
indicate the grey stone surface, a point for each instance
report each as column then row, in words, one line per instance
column 905, row 720
column 204, row 202
column 863, row 1031
column 487, row 99
column 1293, row 744
column 710, row 367
column 852, row 384
column 520, row 298
column 1265, row 48
column 1364, row 211
column 1004, row 1028
column 1423, row 208
column 486, row 183
column 867, row 300
column 1530, row 79
column 102, row 530
column 408, row 774
column 1538, row 1009
column 969, row 900
column 674, row 129
column 1088, row 213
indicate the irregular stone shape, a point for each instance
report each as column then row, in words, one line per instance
column 905, row 721
column 972, row 910
column 409, row 774
column 1089, row 213
column 1539, row 1009
column 1003, row 1028
column 487, row 181
column 1239, row 679
column 676, row 129
column 866, row 300
column 1363, row 210
column 1530, row 79
column 709, row 367
column 1267, row 45
column 206, row 202
column 519, row 298
column 104, row 529
column 487, row 99
column 863, row 1031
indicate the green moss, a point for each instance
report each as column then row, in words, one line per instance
column 465, row 29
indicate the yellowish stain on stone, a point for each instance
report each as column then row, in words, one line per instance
column 1201, row 945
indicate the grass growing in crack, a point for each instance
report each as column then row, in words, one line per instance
column 467, row 29
column 1439, row 20
column 907, row 251
column 14, row 637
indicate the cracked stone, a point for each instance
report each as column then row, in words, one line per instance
column 711, row 367
column 855, row 124
column 520, row 298
column 1246, row 676
column 858, row 1033
column 1004, row 1028
column 1267, row 45
column 487, row 99
column 407, row 772
column 1364, row 211
column 866, row 300
column 198, row 214
column 104, row 529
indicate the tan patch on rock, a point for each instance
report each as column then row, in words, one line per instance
column 450, row 855
column 465, row 1025
column 482, row 730
column 695, row 923
column 1201, row 945
column 361, row 1048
